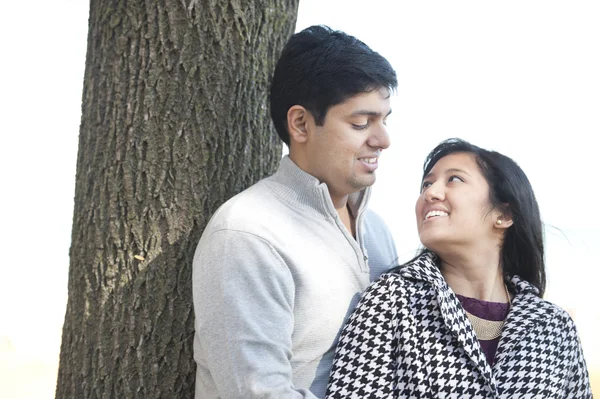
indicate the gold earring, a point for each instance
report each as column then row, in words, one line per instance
column 499, row 221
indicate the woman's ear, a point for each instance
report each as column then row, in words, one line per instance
column 504, row 218
column 297, row 120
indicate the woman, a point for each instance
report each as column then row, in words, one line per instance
column 466, row 318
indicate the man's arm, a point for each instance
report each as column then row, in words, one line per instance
column 243, row 301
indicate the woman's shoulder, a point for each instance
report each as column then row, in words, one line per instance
column 395, row 283
column 390, row 280
column 529, row 296
column 551, row 312
column 387, row 286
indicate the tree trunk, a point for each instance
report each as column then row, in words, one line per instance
column 174, row 122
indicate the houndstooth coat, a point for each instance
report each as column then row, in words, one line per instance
column 409, row 337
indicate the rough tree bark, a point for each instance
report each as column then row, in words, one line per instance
column 174, row 122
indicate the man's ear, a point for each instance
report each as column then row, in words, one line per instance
column 297, row 121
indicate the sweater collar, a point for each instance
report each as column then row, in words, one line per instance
column 306, row 192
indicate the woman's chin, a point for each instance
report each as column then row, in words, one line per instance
column 434, row 242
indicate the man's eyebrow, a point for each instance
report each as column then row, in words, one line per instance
column 364, row 112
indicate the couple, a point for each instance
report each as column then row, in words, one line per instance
column 281, row 267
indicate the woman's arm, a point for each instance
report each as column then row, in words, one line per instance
column 578, row 381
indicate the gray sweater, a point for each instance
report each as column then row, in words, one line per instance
column 275, row 276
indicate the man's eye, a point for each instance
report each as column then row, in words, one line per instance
column 360, row 127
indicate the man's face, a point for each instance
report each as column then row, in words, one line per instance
column 344, row 152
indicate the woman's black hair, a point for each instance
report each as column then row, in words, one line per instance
column 522, row 251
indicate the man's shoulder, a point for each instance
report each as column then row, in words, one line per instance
column 250, row 207
column 373, row 217
column 375, row 224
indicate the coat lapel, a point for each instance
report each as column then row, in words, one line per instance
column 525, row 313
column 457, row 322
column 455, row 319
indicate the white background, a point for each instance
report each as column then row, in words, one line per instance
column 520, row 77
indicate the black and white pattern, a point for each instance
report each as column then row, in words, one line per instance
column 409, row 337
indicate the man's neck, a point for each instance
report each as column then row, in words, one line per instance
column 347, row 219
column 340, row 201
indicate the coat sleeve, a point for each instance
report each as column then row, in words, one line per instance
column 243, row 303
column 578, row 381
column 364, row 364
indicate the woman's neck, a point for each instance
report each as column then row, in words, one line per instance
column 477, row 275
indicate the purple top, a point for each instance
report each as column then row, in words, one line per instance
column 494, row 311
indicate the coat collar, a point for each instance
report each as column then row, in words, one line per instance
column 425, row 268
column 527, row 311
column 522, row 316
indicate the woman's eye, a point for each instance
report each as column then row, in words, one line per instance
column 455, row 178
column 425, row 185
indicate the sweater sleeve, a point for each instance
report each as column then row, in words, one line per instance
column 364, row 364
column 578, row 381
column 243, row 302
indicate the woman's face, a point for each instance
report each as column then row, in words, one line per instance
column 453, row 208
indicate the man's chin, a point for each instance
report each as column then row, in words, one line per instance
column 360, row 184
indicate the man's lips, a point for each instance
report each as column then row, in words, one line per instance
column 370, row 163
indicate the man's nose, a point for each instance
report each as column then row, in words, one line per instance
column 380, row 137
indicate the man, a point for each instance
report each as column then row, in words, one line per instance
column 281, row 265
